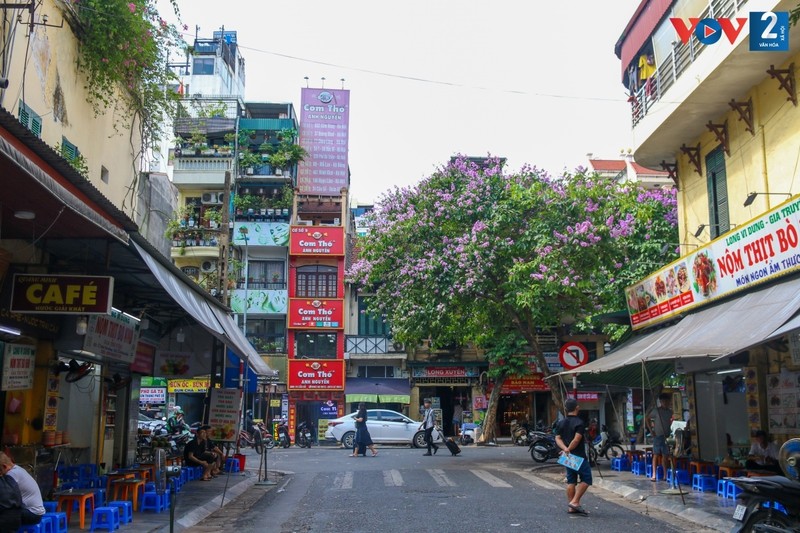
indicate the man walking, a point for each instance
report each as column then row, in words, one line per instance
column 570, row 438
column 660, row 421
column 427, row 424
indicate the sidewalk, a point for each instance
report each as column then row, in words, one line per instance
column 703, row 508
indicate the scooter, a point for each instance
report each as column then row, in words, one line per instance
column 608, row 444
column 543, row 447
column 304, row 435
column 771, row 504
column 519, row 433
column 283, row 435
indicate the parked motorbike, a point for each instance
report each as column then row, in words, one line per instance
column 303, row 438
column 266, row 435
column 519, row 433
column 608, row 444
column 771, row 504
column 543, row 447
column 254, row 439
column 283, row 435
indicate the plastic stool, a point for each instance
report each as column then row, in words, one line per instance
column 682, row 475
column 59, row 521
column 152, row 501
column 638, row 468
column 232, row 465
column 721, row 486
column 125, row 510
column 619, row 464
column 50, row 507
column 184, row 476
column 189, row 473
column 732, row 491
column 99, row 498
column 105, row 518
column 198, row 472
column 704, row 482
column 659, row 472
column 31, row 528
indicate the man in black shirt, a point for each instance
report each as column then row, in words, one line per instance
column 195, row 454
column 570, row 438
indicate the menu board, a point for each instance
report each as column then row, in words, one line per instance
column 223, row 414
column 783, row 402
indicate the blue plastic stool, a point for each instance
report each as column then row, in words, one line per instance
column 682, row 475
column 32, row 528
column 619, row 464
column 125, row 510
column 659, row 472
column 184, row 476
column 638, row 468
column 732, row 491
column 50, row 507
column 152, row 501
column 198, row 472
column 721, row 486
column 232, row 464
column 150, row 486
column 704, row 482
column 189, row 473
column 59, row 521
column 105, row 518
column 99, row 498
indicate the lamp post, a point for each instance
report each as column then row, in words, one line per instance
column 243, row 232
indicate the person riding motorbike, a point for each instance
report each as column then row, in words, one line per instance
column 249, row 425
column 176, row 423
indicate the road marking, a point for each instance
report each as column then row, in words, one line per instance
column 343, row 481
column 494, row 481
column 536, row 480
column 392, row 478
column 440, row 478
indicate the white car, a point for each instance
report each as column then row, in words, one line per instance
column 153, row 424
column 387, row 427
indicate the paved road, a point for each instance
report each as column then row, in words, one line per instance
column 486, row 489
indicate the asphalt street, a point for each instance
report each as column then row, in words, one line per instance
column 486, row 489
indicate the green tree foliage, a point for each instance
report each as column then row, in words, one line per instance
column 471, row 254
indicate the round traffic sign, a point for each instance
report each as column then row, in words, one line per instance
column 572, row 355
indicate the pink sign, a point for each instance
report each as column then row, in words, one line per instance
column 324, row 133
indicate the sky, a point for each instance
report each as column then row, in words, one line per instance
column 535, row 82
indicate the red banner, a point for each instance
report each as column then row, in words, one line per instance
column 316, row 374
column 316, row 240
column 66, row 295
column 313, row 313
column 530, row 383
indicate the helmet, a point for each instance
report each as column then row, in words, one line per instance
column 178, row 410
column 249, row 412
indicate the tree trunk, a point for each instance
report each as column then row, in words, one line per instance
column 488, row 433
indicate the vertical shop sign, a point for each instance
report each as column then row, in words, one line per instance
column 18, row 366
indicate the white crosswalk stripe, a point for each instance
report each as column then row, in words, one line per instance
column 343, row 480
column 493, row 481
column 536, row 480
column 392, row 478
column 441, row 478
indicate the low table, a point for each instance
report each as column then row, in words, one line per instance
column 67, row 497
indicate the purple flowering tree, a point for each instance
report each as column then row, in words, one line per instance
column 474, row 255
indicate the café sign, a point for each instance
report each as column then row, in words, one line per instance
column 761, row 250
column 65, row 295
column 316, row 374
column 316, row 313
column 316, row 240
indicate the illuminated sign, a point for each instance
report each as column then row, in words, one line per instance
column 316, row 374
column 324, row 133
column 316, row 240
column 65, row 295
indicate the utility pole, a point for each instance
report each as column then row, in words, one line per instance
column 224, row 241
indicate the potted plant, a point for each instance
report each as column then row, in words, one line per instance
column 287, row 154
column 263, row 204
column 213, row 217
column 240, row 203
column 252, row 202
column 248, row 161
column 198, row 140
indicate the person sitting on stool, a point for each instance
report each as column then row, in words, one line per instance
column 32, row 505
column 763, row 454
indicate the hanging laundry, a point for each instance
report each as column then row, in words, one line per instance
column 646, row 67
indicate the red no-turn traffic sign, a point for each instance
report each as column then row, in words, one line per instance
column 572, row 355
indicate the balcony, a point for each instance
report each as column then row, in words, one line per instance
column 199, row 171
column 360, row 345
column 196, row 243
column 694, row 83
column 268, row 344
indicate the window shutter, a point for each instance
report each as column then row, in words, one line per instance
column 24, row 116
column 36, row 126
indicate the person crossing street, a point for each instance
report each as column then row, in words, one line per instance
column 428, row 423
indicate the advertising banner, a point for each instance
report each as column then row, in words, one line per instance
column 144, row 358
column 112, row 336
column 19, row 362
column 324, row 133
column 315, row 313
column 261, row 233
column 180, row 364
column 65, row 295
column 188, row 385
column 223, row 414
column 316, row 240
column 761, row 250
column 316, row 374
column 259, row 300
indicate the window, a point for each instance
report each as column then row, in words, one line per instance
column 369, row 324
column 317, row 281
column 375, row 372
column 29, row 119
column 68, row 150
column 717, row 193
column 267, row 275
column 315, row 345
column 203, row 66
column 267, row 335
column 191, row 271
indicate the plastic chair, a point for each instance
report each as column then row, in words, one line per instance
column 125, row 510
column 105, row 518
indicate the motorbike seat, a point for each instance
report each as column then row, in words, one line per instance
column 775, row 482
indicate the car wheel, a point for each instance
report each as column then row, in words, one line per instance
column 419, row 440
column 348, row 439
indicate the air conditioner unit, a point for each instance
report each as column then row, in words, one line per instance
column 212, row 197
column 305, row 222
column 208, row 266
column 398, row 347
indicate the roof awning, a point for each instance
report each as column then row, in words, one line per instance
column 206, row 312
column 377, row 390
column 714, row 332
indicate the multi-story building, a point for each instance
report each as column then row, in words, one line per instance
column 714, row 103
column 626, row 170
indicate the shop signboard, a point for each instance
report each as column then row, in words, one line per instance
column 316, row 374
column 155, row 395
column 761, row 250
column 324, row 133
column 143, row 358
column 171, row 364
column 306, row 313
column 446, row 372
column 65, row 295
column 223, row 414
column 316, row 240
column 113, row 336
column 188, row 385
column 533, row 382
column 19, row 362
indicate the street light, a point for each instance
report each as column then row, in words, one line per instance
column 752, row 196
column 701, row 227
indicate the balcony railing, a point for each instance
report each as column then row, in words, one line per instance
column 268, row 343
column 359, row 344
column 257, row 284
column 202, row 163
column 677, row 62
